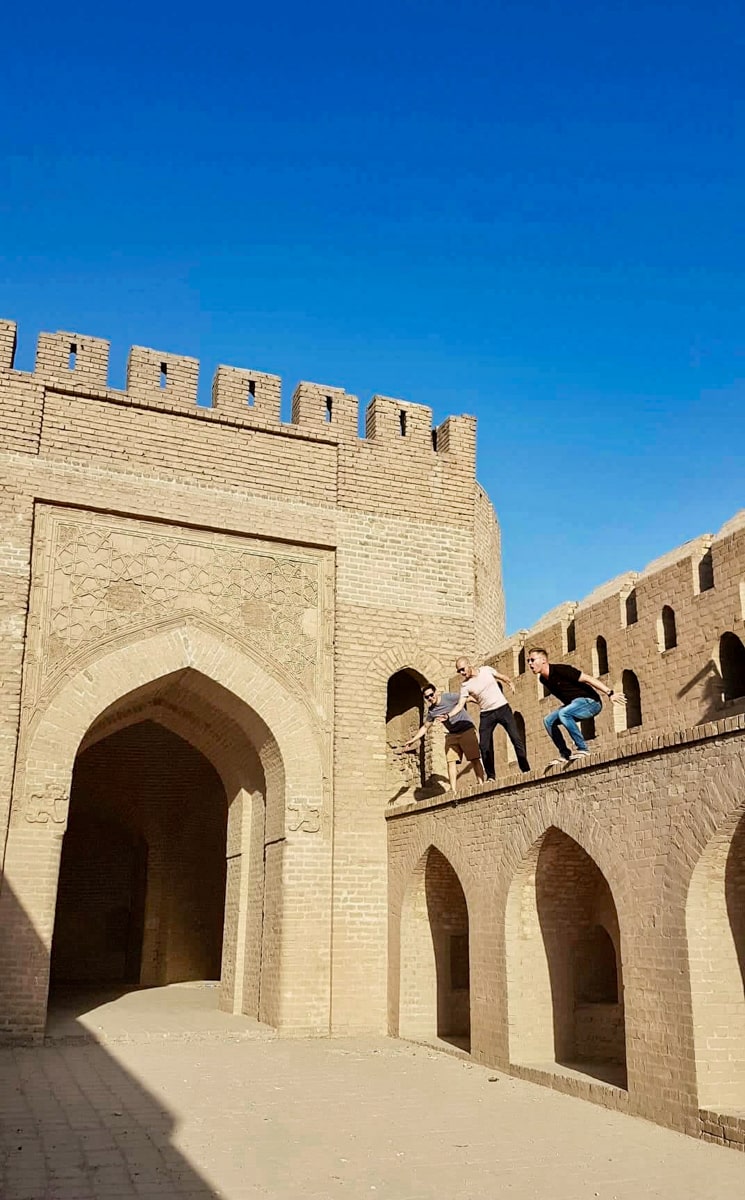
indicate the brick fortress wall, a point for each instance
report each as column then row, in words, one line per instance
column 274, row 575
column 605, row 901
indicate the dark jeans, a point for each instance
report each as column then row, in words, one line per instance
column 489, row 720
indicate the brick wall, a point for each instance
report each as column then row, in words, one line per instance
column 391, row 523
column 648, row 848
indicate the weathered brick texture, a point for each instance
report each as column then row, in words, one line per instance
column 209, row 585
column 248, row 586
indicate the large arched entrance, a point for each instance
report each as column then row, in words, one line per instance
column 141, row 894
column 256, row 753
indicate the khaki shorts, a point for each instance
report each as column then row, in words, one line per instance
column 458, row 744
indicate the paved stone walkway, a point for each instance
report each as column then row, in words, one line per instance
column 314, row 1120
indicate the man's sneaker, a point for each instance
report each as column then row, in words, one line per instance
column 555, row 762
column 579, row 754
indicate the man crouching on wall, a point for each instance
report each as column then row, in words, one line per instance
column 460, row 733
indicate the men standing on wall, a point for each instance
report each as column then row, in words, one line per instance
column 460, row 733
column 482, row 685
column 579, row 696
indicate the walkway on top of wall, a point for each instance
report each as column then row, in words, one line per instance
column 632, row 748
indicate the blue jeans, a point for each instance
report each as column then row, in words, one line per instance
column 568, row 716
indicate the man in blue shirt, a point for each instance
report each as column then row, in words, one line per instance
column 461, row 740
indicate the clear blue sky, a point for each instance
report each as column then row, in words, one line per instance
column 533, row 213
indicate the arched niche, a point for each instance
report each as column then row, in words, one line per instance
column 434, row 993
column 715, row 924
column 563, row 956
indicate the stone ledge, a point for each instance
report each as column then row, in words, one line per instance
column 638, row 746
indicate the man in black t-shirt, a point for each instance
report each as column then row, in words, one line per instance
column 578, row 694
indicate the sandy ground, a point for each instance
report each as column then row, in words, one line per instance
column 208, row 1114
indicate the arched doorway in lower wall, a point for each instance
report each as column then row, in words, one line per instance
column 715, row 920
column 564, row 975
column 141, row 893
column 161, row 877
column 435, row 984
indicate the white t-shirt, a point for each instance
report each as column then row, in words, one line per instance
column 484, row 688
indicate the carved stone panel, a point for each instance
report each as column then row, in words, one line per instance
column 99, row 576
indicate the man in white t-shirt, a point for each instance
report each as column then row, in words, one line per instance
column 482, row 685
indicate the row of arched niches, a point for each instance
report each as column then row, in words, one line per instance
column 563, row 964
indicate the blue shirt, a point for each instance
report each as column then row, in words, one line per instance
column 448, row 700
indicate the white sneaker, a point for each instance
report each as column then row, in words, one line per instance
column 579, row 754
column 555, row 762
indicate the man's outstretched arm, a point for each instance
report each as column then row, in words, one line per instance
column 616, row 697
column 417, row 737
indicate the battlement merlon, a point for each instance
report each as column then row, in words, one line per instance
column 326, row 409
column 238, row 392
column 79, row 363
column 8, row 334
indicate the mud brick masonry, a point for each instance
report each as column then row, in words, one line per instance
column 214, row 630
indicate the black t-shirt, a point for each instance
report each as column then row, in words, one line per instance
column 563, row 682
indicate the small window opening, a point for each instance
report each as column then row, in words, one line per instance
column 571, row 637
column 459, row 965
column 601, row 653
column 732, row 666
column 251, row 397
column 521, row 661
column 402, row 422
column 163, row 374
column 706, row 573
column 434, row 439
column 72, row 359
column 329, row 410
column 632, row 692
column 595, row 969
column 669, row 632
column 632, row 613
column 587, row 728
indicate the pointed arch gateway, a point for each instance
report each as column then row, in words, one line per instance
column 434, row 991
column 564, row 973
column 264, row 760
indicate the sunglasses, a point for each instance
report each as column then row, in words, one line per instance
column 429, row 696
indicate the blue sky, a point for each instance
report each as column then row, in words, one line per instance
column 530, row 213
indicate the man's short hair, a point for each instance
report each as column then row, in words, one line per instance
column 426, row 687
column 538, row 650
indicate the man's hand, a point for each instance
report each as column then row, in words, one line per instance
column 442, row 718
column 618, row 698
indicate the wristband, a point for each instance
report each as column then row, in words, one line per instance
column 611, row 693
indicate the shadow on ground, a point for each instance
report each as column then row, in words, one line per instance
column 74, row 1125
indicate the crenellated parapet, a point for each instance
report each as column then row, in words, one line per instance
column 75, row 364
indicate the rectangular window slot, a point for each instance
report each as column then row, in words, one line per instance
column 706, row 573
column 251, row 398
column 72, row 360
column 329, row 410
column 459, row 964
column 434, row 439
column 163, row 374
column 402, row 422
